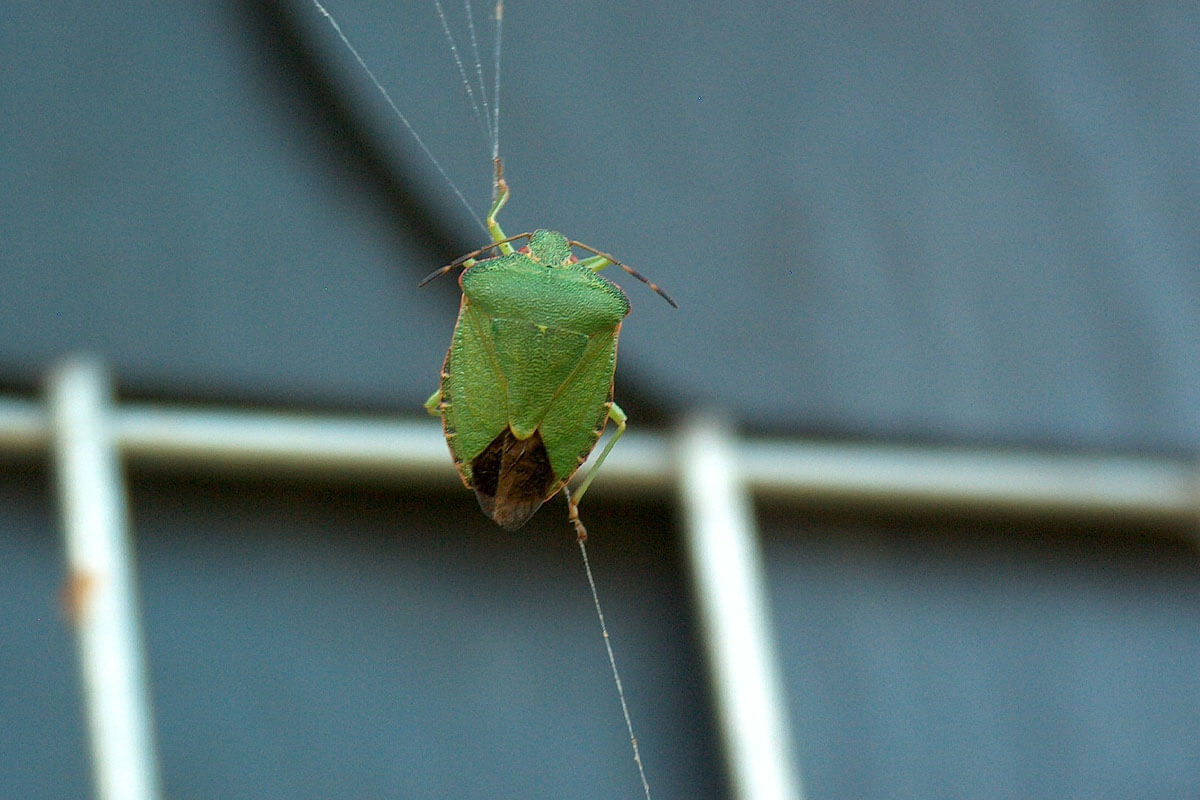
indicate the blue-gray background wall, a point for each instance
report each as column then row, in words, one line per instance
column 935, row 223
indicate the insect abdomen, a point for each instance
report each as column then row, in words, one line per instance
column 512, row 478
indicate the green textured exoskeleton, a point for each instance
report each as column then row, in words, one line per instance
column 527, row 384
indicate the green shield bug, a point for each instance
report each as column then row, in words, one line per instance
column 527, row 384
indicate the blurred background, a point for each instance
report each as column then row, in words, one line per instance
column 934, row 372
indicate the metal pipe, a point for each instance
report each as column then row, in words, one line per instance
column 100, row 591
column 722, row 546
column 240, row 441
column 977, row 481
column 907, row 479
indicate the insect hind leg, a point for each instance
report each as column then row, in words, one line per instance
column 618, row 416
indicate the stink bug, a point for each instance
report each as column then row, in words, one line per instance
column 527, row 384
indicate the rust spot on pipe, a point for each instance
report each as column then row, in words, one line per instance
column 75, row 596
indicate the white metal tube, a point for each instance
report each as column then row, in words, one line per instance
column 233, row 441
column 886, row 477
column 983, row 481
column 100, row 584
column 723, row 548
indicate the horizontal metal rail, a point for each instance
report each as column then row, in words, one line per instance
column 890, row 478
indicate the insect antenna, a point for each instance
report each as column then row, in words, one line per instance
column 463, row 259
column 629, row 269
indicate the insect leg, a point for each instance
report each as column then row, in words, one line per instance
column 617, row 416
column 596, row 263
column 573, row 517
column 501, row 198
column 601, row 260
column 433, row 404
column 468, row 260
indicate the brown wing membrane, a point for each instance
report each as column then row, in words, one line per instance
column 512, row 478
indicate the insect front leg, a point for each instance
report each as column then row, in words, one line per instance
column 501, row 198
column 619, row 418
column 596, row 263
column 600, row 261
